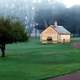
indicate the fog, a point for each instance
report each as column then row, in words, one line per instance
column 44, row 13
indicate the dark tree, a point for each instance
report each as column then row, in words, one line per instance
column 67, row 17
column 11, row 31
column 44, row 17
column 47, row 15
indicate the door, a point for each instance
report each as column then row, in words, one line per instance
column 49, row 39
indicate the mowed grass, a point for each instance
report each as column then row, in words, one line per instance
column 34, row 61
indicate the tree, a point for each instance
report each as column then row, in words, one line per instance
column 48, row 14
column 44, row 17
column 11, row 31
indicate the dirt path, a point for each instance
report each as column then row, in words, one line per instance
column 73, row 76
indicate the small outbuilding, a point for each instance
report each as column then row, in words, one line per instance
column 55, row 34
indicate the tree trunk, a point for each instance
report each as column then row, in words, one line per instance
column 3, row 50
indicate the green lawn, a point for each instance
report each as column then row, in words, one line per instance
column 33, row 61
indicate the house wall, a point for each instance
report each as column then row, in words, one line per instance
column 50, row 32
column 56, row 37
column 64, row 38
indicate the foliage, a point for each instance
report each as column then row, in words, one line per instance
column 11, row 31
column 44, row 18
column 67, row 17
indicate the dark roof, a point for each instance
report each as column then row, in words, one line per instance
column 60, row 29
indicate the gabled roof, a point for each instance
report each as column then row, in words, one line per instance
column 49, row 29
column 59, row 29
column 62, row 30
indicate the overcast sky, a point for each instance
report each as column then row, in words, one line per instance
column 70, row 3
column 10, row 3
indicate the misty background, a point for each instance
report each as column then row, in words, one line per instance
column 39, row 14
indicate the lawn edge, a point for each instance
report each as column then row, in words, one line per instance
column 74, row 71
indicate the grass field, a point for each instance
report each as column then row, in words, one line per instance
column 34, row 61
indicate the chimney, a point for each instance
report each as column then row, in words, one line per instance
column 55, row 24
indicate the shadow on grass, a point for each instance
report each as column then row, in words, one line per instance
column 53, row 62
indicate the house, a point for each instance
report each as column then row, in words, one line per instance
column 55, row 34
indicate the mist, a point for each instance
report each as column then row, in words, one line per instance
column 43, row 13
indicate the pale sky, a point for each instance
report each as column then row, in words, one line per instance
column 70, row 3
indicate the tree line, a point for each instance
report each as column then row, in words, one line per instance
column 67, row 17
